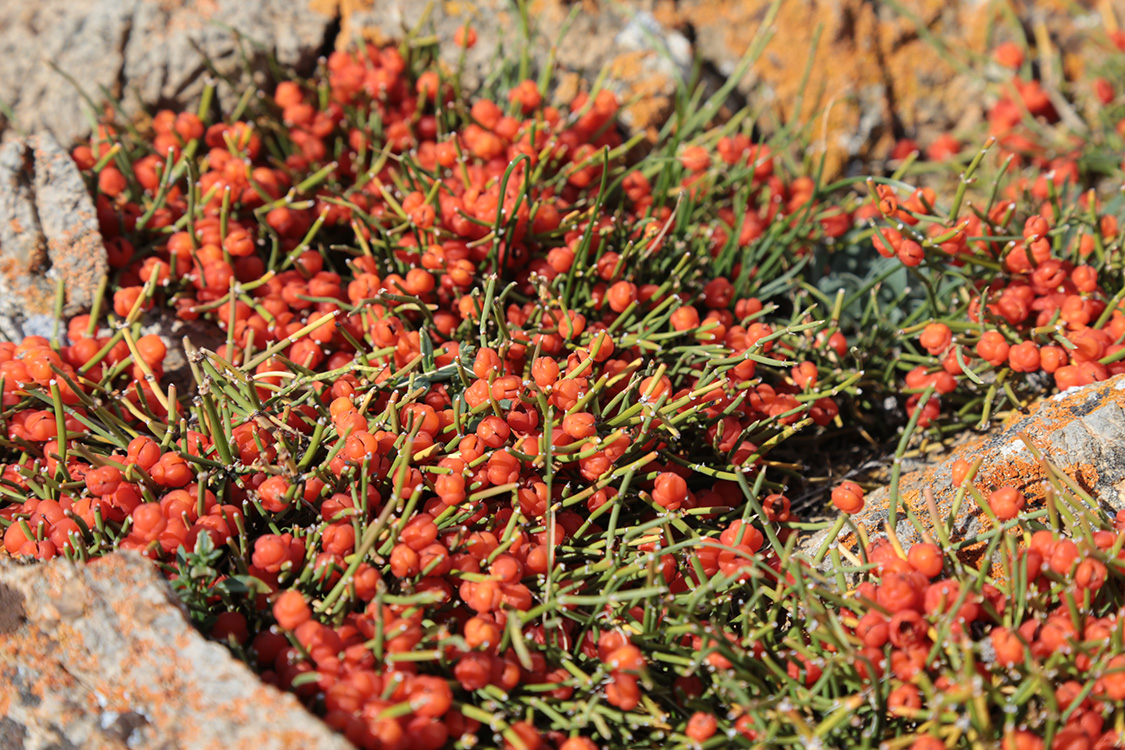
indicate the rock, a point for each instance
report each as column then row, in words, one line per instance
column 48, row 231
column 642, row 58
column 651, row 62
column 871, row 69
column 102, row 656
column 877, row 77
column 877, row 73
column 387, row 21
column 1080, row 431
column 145, row 52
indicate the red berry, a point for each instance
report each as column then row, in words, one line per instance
column 670, row 491
column 848, row 497
column 291, row 610
column 1006, row 503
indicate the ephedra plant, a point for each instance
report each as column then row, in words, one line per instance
column 502, row 446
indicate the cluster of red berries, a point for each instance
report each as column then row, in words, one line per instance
column 1041, row 304
column 82, row 491
column 910, row 600
column 517, row 458
column 493, row 418
column 1043, row 299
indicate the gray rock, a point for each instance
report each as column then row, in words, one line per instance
column 642, row 58
column 146, row 52
column 386, row 20
column 102, row 656
column 1081, row 432
column 643, row 32
column 48, row 231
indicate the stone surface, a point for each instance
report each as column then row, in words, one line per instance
column 145, row 52
column 48, row 231
column 101, row 656
column 642, row 58
column 878, row 75
column 1080, row 431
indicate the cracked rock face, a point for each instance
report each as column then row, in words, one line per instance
column 1081, row 432
column 48, row 231
column 145, row 52
column 101, row 656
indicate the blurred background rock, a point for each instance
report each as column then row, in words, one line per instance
column 881, row 75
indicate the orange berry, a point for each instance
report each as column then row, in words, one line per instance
column 993, row 348
column 1063, row 557
column 465, row 36
column 848, row 497
column 1006, row 503
column 959, row 471
column 701, row 726
column 670, row 491
column 579, row 425
column 621, row 295
column 805, row 375
column 430, row 696
column 272, row 494
column 685, row 318
column 695, row 158
column 103, row 480
column 291, row 610
column 1113, row 679
column 925, row 558
column 935, row 338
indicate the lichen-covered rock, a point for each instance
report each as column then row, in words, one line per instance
column 878, row 75
column 643, row 59
column 1081, row 432
column 883, row 71
column 102, row 656
column 146, row 52
column 48, row 231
